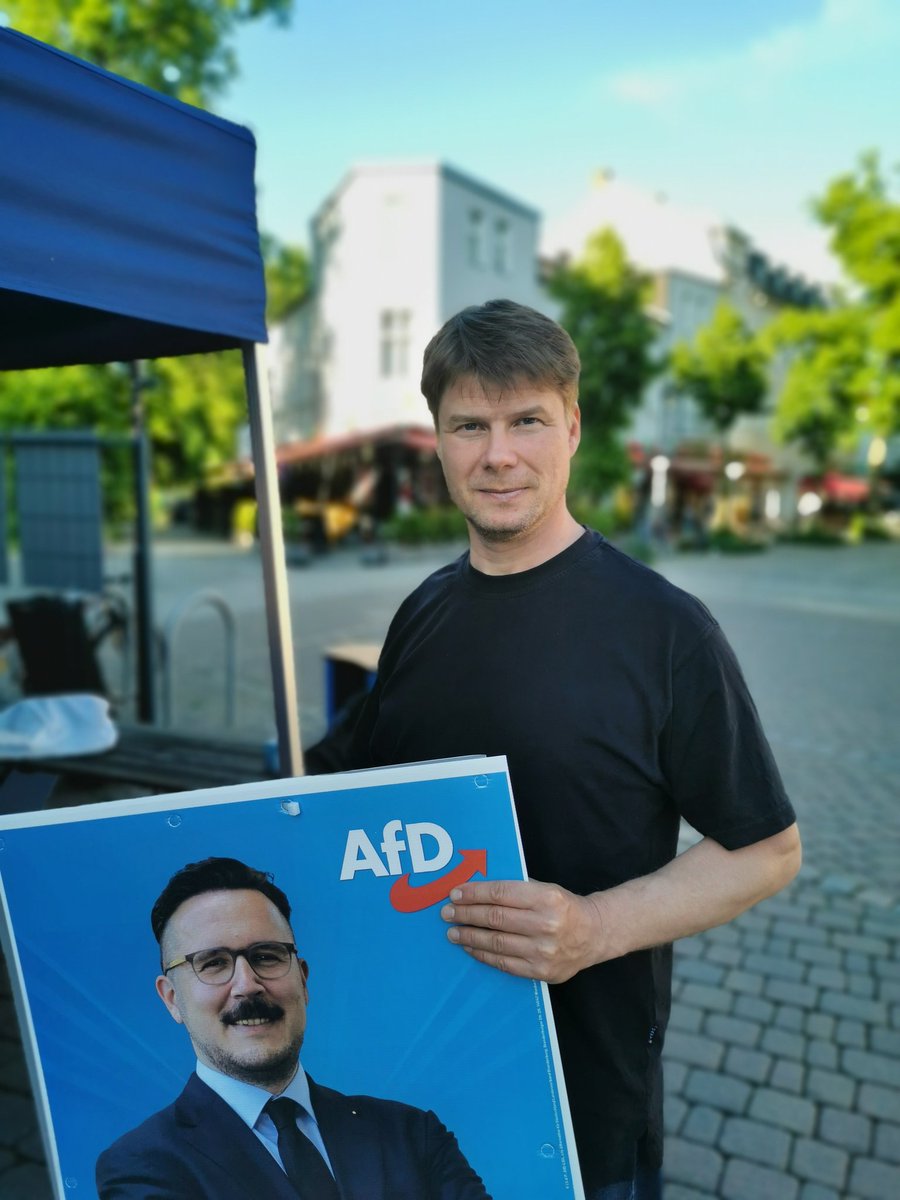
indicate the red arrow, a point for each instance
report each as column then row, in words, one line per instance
column 406, row 899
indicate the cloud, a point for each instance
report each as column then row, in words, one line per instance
column 662, row 86
column 842, row 33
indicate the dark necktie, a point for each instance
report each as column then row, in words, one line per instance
column 305, row 1166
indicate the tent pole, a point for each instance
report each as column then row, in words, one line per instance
column 271, row 547
column 143, row 584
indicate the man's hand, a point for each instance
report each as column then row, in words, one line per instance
column 541, row 931
column 536, row 930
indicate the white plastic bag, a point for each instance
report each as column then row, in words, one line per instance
column 56, row 726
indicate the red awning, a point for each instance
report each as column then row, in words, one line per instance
column 833, row 485
column 410, row 437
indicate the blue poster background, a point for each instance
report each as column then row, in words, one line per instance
column 395, row 1010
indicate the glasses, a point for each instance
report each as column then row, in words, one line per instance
column 267, row 960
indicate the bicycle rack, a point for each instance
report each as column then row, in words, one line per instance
column 119, row 623
column 166, row 641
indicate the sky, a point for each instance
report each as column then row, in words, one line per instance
column 745, row 109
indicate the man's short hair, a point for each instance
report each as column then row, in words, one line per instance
column 500, row 344
column 213, row 875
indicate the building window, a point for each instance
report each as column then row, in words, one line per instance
column 476, row 234
column 394, row 342
column 502, row 246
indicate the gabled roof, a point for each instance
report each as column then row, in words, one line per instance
column 402, row 168
column 658, row 236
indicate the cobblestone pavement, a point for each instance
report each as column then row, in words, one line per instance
column 783, row 1052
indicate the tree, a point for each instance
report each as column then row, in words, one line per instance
column 819, row 399
column 604, row 302
column 181, row 47
column 865, row 229
column 287, row 276
column 844, row 377
column 723, row 371
column 193, row 407
column 74, row 398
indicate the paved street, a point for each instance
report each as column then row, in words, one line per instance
column 783, row 1075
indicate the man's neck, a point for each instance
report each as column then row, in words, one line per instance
column 275, row 1087
column 528, row 550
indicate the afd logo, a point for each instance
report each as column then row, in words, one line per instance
column 428, row 847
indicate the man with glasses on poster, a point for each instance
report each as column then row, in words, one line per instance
column 250, row 1122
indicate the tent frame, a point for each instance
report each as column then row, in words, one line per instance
column 271, row 545
column 128, row 231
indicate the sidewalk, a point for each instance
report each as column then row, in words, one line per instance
column 783, row 1052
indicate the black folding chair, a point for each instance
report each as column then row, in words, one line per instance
column 58, row 652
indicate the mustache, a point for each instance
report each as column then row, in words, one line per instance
column 253, row 1008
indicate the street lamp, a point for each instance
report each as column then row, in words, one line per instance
column 877, row 453
column 659, row 466
column 809, row 504
column 734, row 470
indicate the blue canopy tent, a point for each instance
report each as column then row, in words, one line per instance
column 128, row 231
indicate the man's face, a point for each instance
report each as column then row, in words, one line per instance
column 249, row 1028
column 506, row 456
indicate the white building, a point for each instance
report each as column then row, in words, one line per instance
column 680, row 248
column 396, row 249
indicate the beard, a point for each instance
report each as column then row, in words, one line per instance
column 499, row 525
column 275, row 1070
column 274, row 1066
column 489, row 534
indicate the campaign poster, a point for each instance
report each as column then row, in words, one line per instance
column 395, row 1010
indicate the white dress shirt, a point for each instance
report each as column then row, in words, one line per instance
column 249, row 1102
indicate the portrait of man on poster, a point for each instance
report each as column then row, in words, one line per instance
column 250, row 1122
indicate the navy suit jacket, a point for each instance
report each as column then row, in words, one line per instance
column 199, row 1149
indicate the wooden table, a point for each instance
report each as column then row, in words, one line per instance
column 160, row 760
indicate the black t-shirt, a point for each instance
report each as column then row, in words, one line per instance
column 620, row 708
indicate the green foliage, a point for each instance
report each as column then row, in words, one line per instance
column 814, row 534
column 724, row 370
column 693, row 544
column 824, row 383
column 423, row 525
column 601, row 518
column 864, row 527
column 845, row 376
column 193, row 407
column 180, row 47
column 603, row 309
column 287, row 276
column 728, row 541
column 78, row 397
column 865, row 229
column 600, row 464
column 75, row 398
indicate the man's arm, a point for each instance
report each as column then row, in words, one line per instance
column 119, row 1181
column 542, row 931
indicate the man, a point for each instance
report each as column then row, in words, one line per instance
column 250, row 1123
column 621, row 709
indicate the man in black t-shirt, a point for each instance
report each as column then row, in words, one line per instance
column 620, row 708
